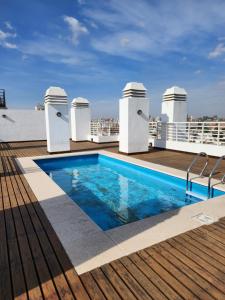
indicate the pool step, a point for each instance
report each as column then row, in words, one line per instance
column 196, row 195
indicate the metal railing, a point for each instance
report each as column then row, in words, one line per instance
column 191, row 132
column 218, row 162
column 2, row 98
column 104, row 128
column 201, row 154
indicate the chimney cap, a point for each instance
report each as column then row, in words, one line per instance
column 55, row 91
column 80, row 100
column 139, row 86
column 175, row 90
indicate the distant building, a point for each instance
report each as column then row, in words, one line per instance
column 190, row 118
column 39, row 107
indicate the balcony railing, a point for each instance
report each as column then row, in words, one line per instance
column 104, row 128
column 191, row 132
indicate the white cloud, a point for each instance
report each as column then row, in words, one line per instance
column 10, row 45
column 124, row 41
column 221, row 83
column 4, row 40
column 81, row 2
column 76, row 28
column 93, row 25
column 158, row 31
column 127, row 44
column 221, row 38
column 9, row 25
column 218, row 51
column 197, row 72
column 56, row 51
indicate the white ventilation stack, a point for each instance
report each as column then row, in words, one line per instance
column 134, row 119
column 174, row 105
column 57, row 120
column 80, row 119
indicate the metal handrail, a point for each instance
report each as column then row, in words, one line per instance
column 190, row 132
column 218, row 162
column 193, row 162
column 223, row 179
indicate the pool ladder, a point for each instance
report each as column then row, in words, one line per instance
column 188, row 180
column 210, row 186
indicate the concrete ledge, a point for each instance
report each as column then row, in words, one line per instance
column 103, row 138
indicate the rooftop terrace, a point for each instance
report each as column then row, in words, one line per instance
column 34, row 264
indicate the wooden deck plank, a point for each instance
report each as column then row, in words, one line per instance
column 16, row 267
column 64, row 261
column 48, row 288
column 203, row 286
column 91, row 286
column 105, row 285
column 46, row 283
column 39, row 262
column 207, row 240
column 155, row 275
column 141, row 278
column 166, row 276
column 5, row 282
column 33, row 289
column 189, row 266
column 117, row 283
column 130, row 281
column 203, row 276
column 56, row 273
column 203, row 252
column 163, row 290
column 213, row 275
column 176, row 273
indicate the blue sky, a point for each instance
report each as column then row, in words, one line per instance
column 92, row 48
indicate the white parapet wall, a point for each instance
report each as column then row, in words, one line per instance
column 213, row 150
column 22, row 125
column 192, row 137
column 103, row 138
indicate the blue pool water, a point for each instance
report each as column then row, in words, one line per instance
column 114, row 192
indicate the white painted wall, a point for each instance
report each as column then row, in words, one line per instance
column 103, row 138
column 57, row 120
column 57, row 128
column 80, row 123
column 174, row 111
column 134, row 127
column 22, row 125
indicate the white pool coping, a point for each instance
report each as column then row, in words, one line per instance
column 86, row 244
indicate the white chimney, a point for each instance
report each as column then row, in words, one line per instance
column 80, row 119
column 174, row 105
column 134, row 119
column 57, row 120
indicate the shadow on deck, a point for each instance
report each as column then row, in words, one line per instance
column 34, row 264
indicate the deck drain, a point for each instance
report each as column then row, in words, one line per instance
column 204, row 219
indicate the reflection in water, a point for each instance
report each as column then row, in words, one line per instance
column 112, row 194
column 124, row 211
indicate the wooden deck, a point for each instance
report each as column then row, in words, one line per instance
column 34, row 265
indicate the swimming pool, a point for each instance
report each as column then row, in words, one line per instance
column 113, row 192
